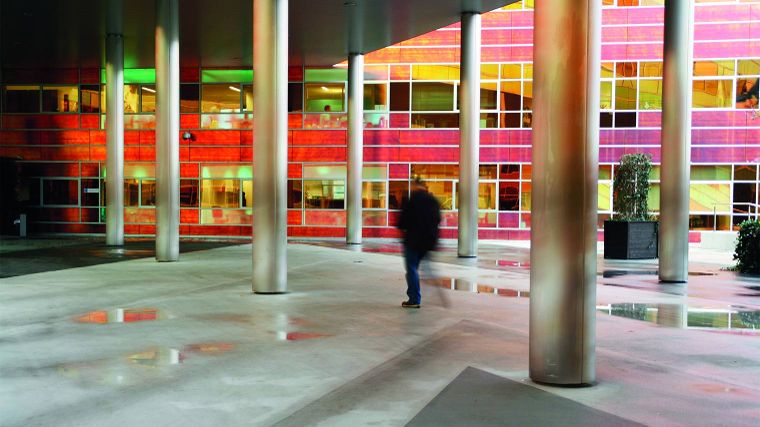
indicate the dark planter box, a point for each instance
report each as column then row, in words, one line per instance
column 630, row 239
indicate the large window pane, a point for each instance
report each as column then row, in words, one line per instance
column 510, row 93
column 246, row 198
column 248, row 98
column 487, row 195
column 511, row 71
column 428, row 171
column 650, row 95
column 373, row 195
column 432, row 96
column 745, row 172
column 398, row 193
column 220, row 98
column 433, row 120
column 709, row 197
column 651, row 69
column 131, row 98
column 626, row 69
column 399, row 96
column 625, row 94
column 435, row 72
column 148, row 98
column 90, row 98
column 60, row 192
column 605, row 95
column 131, row 192
column 714, row 68
column 326, row 97
column 189, row 98
column 712, row 94
column 324, row 194
column 188, row 193
column 60, row 99
column 509, row 196
column 711, row 173
column 443, row 191
column 148, row 192
column 748, row 67
column 747, row 92
column 295, row 192
column 220, row 193
column 295, row 97
column 21, row 99
column 375, row 97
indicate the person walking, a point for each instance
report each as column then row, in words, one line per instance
column 419, row 219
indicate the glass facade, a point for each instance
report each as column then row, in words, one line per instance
column 411, row 117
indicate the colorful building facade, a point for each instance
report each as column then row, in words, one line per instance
column 52, row 122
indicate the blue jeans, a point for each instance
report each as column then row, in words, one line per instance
column 412, row 259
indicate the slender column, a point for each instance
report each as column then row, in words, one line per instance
column 676, row 141
column 114, row 124
column 355, row 148
column 566, row 52
column 167, row 130
column 270, row 143
column 469, row 136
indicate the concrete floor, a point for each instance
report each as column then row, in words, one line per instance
column 138, row 342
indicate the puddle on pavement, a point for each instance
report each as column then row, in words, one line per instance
column 682, row 316
column 464, row 285
column 138, row 367
column 121, row 315
column 298, row 336
column 512, row 263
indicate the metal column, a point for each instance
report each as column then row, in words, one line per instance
column 114, row 124
column 167, row 130
column 676, row 141
column 567, row 46
column 469, row 139
column 270, row 143
column 355, row 148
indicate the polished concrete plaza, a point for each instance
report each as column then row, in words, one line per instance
column 129, row 341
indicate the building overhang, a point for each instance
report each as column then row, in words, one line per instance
column 218, row 33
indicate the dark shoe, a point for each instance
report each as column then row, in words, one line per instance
column 407, row 304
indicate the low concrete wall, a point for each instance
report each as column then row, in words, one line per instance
column 719, row 240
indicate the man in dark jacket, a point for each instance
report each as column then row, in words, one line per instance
column 420, row 216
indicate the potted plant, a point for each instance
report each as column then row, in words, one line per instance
column 631, row 234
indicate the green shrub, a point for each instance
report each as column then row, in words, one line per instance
column 631, row 188
column 747, row 252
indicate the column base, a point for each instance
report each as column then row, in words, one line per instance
column 466, row 256
column 673, row 281
column 579, row 385
column 270, row 293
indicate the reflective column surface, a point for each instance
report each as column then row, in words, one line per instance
column 565, row 161
column 676, row 141
column 270, row 167
column 114, row 124
column 355, row 148
column 167, row 130
column 469, row 142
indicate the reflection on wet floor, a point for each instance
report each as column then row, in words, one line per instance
column 455, row 284
column 298, row 336
column 157, row 356
column 120, row 315
column 682, row 316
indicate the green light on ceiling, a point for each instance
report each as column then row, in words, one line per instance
column 326, row 75
column 134, row 75
column 227, row 76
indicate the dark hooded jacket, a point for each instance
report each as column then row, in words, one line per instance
column 420, row 216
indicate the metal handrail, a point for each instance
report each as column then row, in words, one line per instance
column 756, row 214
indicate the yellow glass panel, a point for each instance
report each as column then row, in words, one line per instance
column 443, row 191
column 324, row 171
column 711, row 173
column 428, row 171
column 131, row 99
column 706, row 197
column 220, row 193
column 511, row 71
column 247, row 196
column 510, row 96
column 712, row 94
column 603, row 197
column 653, row 198
column 748, row 67
column 435, row 72
column 607, row 69
column 528, row 71
column 527, row 96
column 605, row 98
column 651, row 69
column 714, row 68
column 373, row 195
column 487, row 195
column 525, row 191
column 650, row 95
column 489, row 71
column 625, row 95
column 60, row 99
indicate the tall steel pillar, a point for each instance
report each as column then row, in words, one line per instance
column 469, row 136
column 355, row 148
column 270, row 143
column 114, row 123
column 566, row 52
column 676, row 141
column 167, row 130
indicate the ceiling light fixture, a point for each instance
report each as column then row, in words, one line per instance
column 149, row 89
column 234, row 88
column 324, row 88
